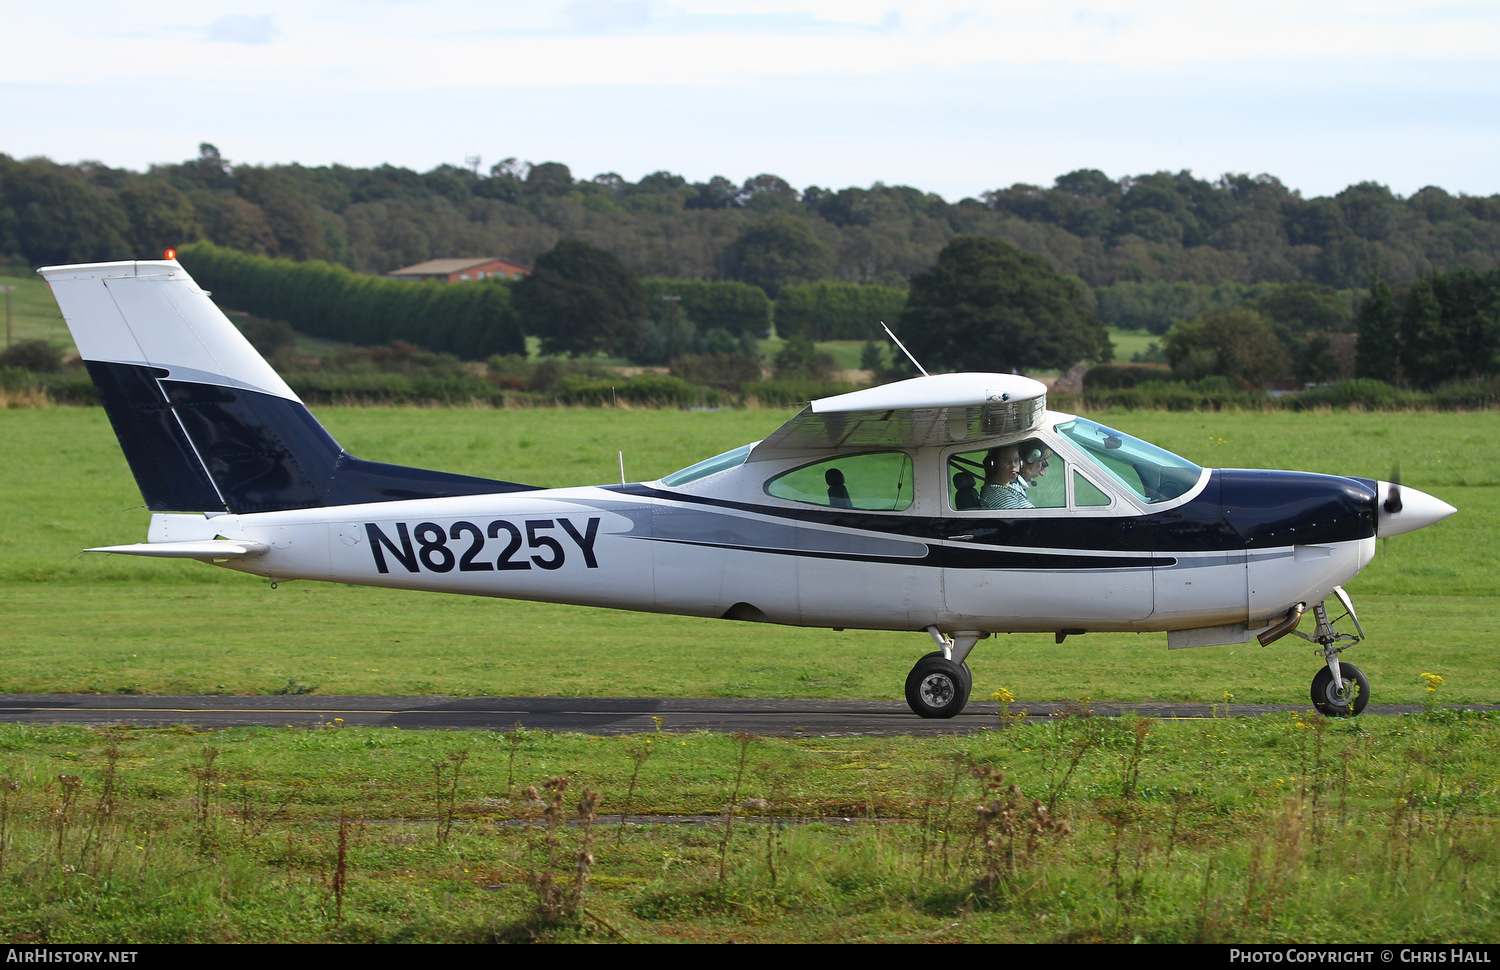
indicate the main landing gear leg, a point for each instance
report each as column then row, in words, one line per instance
column 939, row 685
column 1339, row 689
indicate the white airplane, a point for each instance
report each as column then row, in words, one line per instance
column 864, row 511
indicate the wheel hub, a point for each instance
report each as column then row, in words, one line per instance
column 938, row 689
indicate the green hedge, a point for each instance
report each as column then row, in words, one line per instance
column 1217, row 393
column 375, row 388
column 790, row 393
column 737, row 308
column 836, row 311
column 1106, row 376
column 472, row 320
column 655, row 390
column 71, row 386
column 1209, row 394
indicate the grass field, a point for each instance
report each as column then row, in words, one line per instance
column 118, row 624
column 34, row 313
column 1130, row 342
column 1072, row 830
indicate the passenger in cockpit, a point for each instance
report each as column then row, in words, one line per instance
column 1002, row 480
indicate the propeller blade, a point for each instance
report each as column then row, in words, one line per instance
column 1393, row 495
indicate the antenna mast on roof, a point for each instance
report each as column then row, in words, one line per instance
column 905, row 351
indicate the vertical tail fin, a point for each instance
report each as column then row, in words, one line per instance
column 205, row 423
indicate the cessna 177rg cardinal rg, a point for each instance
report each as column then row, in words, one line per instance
column 955, row 504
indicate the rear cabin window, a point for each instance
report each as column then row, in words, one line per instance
column 876, row 482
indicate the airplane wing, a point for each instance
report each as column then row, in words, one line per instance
column 938, row 410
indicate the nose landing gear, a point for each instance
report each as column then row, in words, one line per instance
column 1339, row 689
column 1344, row 697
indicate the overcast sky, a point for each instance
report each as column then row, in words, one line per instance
column 953, row 98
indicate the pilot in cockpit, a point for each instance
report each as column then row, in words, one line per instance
column 1034, row 461
column 1002, row 480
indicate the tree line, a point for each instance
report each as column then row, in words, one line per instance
column 1434, row 330
column 1242, row 278
column 1159, row 228
column 1440, row 329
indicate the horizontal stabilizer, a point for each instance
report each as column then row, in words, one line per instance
column 206, row 550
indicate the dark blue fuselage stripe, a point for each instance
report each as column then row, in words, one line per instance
column 949, row 557
column 1237, row 509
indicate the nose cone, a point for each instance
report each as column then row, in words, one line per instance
column 1414, row 509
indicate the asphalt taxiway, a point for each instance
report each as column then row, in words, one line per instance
column 588, row 715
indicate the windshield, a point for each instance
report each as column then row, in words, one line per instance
column 708, row 466
column 1153, row 474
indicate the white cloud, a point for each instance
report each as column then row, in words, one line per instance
column 467, row 43
column 604, row 16
column 241, row 29
column 953, row 96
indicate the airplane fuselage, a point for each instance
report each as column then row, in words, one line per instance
column 1196, row 563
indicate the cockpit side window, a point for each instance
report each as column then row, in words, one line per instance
column 877, row 481
column 1024, row 475
column 1087, row 495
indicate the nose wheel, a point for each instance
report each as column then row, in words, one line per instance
column 1344, row 697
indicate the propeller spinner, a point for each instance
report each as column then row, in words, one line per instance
column 1406, row 509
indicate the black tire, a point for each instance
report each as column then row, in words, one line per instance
column 1327, row 698
column 938, row 687
column 968, row 674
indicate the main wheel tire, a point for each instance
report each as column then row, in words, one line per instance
column 1329, row 698
column 968, row 674
column 938, row 687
